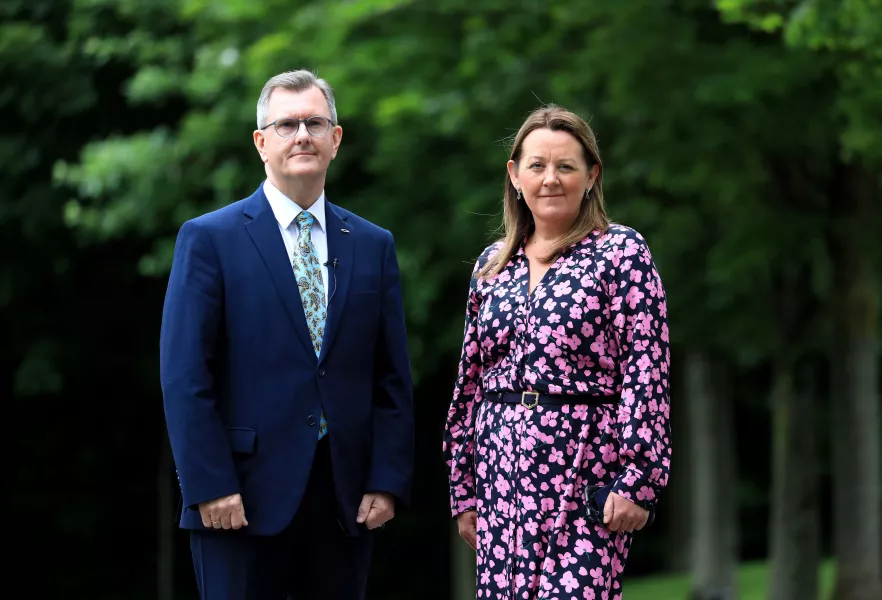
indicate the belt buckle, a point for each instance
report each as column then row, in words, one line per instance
column 533, row 404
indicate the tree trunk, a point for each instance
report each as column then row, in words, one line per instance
column 857, row 472
column 714, row 543
column 465, row 567
column 678, row 498
column 165, row 559
column 794, row 528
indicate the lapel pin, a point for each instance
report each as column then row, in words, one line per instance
column 345, row 230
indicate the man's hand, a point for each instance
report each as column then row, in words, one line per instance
column 223, row 513
column 468, row 527
column 375, row 509
column 620, row 514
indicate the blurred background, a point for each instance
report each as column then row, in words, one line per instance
column 742, row 138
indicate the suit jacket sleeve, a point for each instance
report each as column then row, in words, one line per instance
column 191, row 319
column 392, row 453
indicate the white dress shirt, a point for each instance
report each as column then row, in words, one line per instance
column 286, row 211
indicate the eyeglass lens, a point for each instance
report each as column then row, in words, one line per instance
column 314, row 126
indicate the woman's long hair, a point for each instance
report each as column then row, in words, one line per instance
column 517, row 218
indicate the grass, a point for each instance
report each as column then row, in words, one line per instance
column 752, row 584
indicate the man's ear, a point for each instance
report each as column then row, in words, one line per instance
column 260, row 144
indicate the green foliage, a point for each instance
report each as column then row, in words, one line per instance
column 728, row 131
column 752, row 584
column 849, row 32
column 697, row 119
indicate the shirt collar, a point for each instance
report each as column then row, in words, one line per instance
column 286, row 210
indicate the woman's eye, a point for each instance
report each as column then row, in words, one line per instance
column 566, row 167
column 536, row 166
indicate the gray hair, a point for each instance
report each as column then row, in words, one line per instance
column 295, row 81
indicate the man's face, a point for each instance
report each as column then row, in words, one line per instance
column 302, row 155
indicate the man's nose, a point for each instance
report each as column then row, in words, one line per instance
column 301, row 135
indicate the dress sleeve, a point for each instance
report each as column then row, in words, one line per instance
column 459, row 432
column 638, row 310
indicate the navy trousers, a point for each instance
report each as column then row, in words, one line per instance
column 312, row 558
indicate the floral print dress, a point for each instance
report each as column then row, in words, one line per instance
column 595, row 324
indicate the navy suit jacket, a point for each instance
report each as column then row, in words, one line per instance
column 242, row 387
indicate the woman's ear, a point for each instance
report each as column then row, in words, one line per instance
column 593, row 174
column 513, row 174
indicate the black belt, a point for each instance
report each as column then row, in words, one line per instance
column 534, row 399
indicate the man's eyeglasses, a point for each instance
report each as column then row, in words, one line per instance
column 288, row 127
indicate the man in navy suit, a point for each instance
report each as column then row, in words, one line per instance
column 285, row 372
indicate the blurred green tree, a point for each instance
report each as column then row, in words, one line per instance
column 848, row 35
column 745, row 149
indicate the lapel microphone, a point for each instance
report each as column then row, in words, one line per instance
column 333, row 264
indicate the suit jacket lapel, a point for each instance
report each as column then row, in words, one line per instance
column 340, row 235
column 261, row 224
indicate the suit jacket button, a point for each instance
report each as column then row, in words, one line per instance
column 321, row 372
column 310, row 420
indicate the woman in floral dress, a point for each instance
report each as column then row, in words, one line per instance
column 558, row 436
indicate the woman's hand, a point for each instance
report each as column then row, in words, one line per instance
column 468, row 527
column 620, row 514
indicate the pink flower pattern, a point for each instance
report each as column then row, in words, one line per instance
column 595, row 324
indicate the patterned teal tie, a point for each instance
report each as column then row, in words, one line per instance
column 308, row 273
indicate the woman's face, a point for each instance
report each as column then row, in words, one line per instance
column 553, row 176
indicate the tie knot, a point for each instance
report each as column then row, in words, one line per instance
column 305, row 221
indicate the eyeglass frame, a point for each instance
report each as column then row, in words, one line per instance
column 300, row 122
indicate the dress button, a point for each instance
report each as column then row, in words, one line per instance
column 321, row 372
column 310, row 420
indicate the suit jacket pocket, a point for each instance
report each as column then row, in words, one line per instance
column 242, row 440
column 364, row 284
